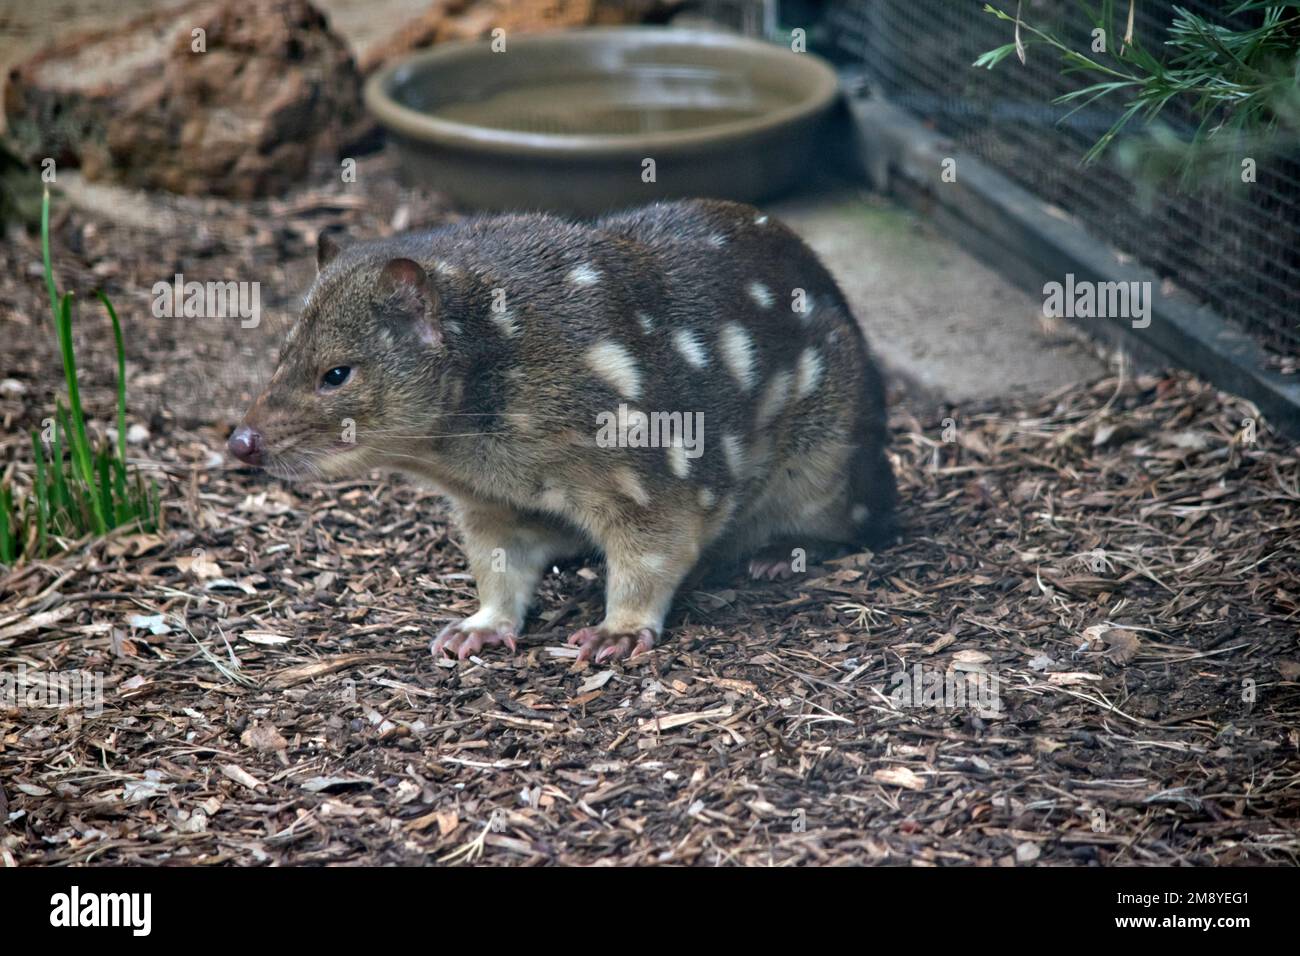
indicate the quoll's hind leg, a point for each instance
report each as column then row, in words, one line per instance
column 837, row 528
column 819, row 516
column 786, row 559
column 507, row 555
column 752, row 546
column 644, row 567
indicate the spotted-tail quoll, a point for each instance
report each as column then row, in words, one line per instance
column 678, row 387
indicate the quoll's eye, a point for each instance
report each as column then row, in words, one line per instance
column 336, row 376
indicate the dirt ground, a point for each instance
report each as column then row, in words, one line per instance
column 1109, row 575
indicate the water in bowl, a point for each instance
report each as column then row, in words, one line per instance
column 647, row 101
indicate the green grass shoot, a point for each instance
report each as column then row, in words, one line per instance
column 76, row 490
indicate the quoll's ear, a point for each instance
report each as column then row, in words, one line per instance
column 406, row 294
column 327, row 247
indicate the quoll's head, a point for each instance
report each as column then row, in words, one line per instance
column 357, row 374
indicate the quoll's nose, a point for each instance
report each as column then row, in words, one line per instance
column 246, row 445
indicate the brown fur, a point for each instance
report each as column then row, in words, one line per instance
column 501, row 413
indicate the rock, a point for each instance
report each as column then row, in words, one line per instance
column 472, row 19
column 270, row 88
column 1028, row 853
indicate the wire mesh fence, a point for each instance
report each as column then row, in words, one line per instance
column 1231, row 244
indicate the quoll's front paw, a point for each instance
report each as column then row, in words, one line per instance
column 606, row 644
column 463, row 638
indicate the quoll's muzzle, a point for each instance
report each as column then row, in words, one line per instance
column 247, row 445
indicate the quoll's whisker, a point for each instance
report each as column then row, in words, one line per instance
column 435, row 435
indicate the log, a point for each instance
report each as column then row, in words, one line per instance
column 446, row 20
column 271, row 88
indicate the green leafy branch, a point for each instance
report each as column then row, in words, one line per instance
column 1242, row 80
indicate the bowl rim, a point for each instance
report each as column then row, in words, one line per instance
column 443, row 132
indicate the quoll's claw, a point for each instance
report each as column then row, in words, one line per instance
column 461, row 641
column 601, row 644
column 767, row 569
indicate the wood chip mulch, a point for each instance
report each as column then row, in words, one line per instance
column 1111, row 573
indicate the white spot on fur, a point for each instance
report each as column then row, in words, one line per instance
column 717, row 241
column 585, row 274
column 810, row 509
column 691, row 348
column 760, row 220
column 451, row 328
column 761, row 294
column 630, row 485
column 552, row 499
column 860, row 513
column 809, row 373
column 775, row 396
column 505, row 321
column 805, row 314
column 738, row 354
column 735, row 452
column 677, row 460
column 615, row 365
column 647, row 323
column 707, row 498
column 446, row 268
